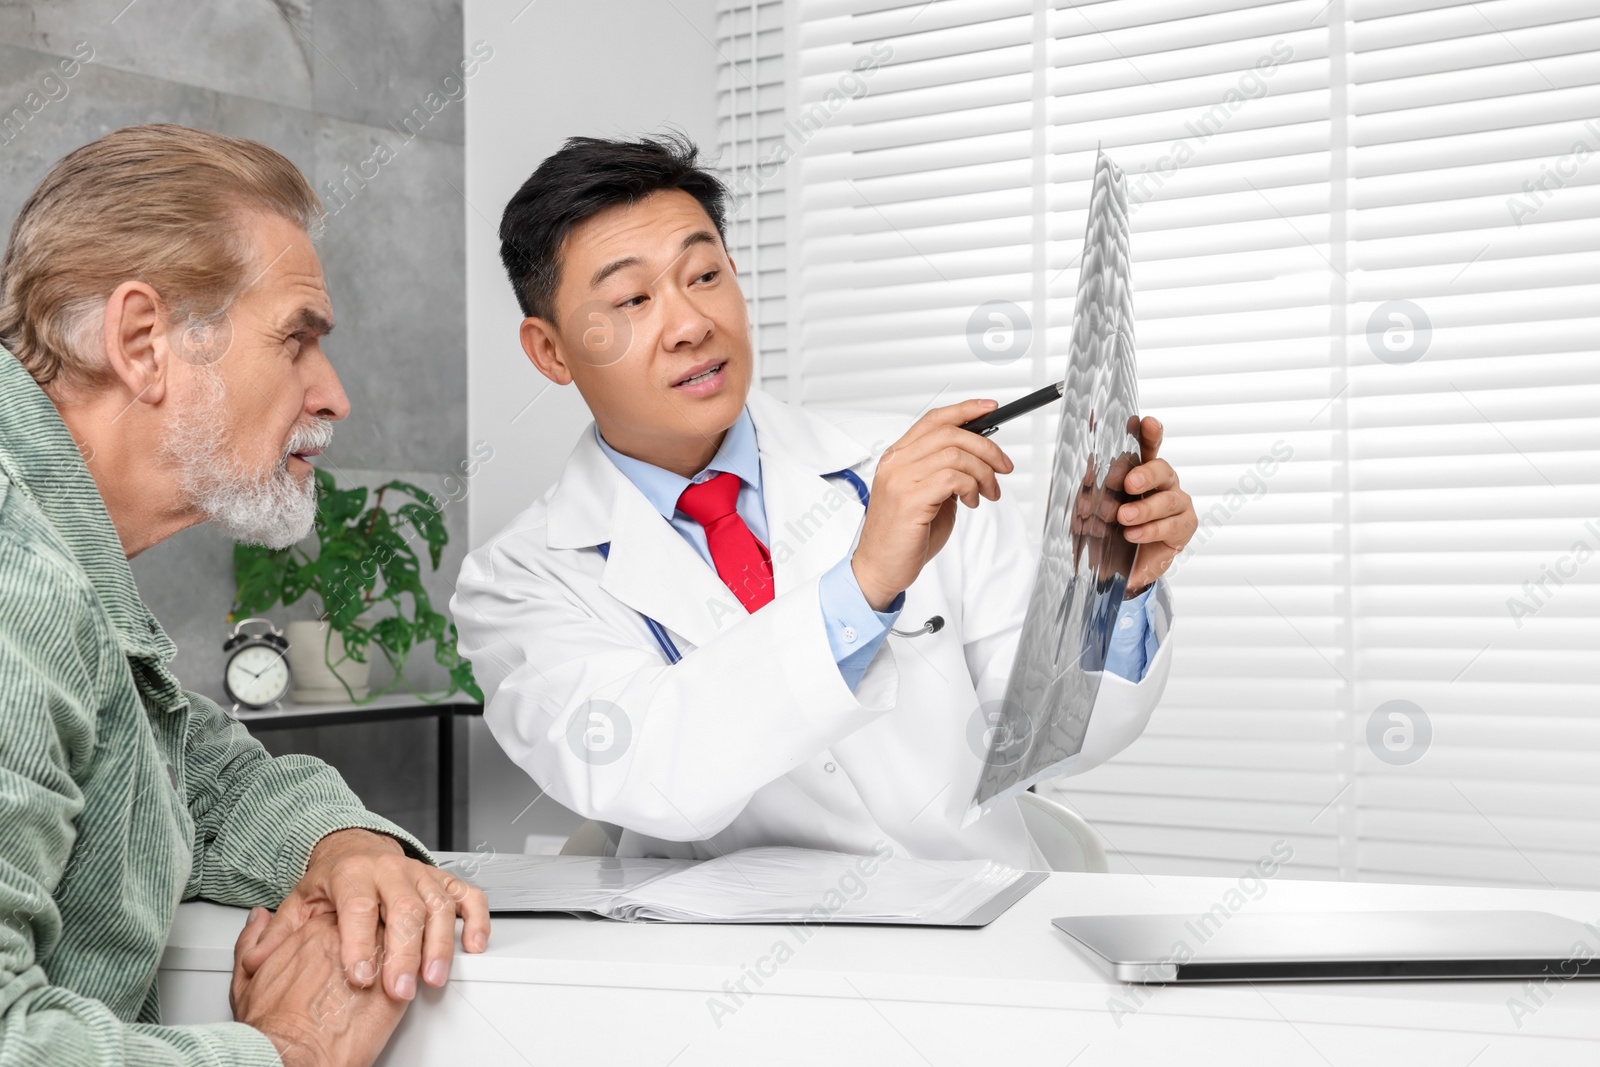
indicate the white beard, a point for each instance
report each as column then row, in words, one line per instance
column 271, row 508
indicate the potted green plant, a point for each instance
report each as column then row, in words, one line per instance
column 365, row 560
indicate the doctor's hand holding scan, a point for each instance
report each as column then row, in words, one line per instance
column 1163, row 520
column 690, row 636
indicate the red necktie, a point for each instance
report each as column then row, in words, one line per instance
column 742, row 562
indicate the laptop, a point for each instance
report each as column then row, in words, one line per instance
column 1218, row 946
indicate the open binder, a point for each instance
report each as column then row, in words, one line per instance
column 757, row 885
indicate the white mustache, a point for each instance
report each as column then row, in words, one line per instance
column 315, row 434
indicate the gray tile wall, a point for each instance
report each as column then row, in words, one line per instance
column 325, row 83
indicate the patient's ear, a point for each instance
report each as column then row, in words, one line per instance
column 135, row 338
column 544, row 348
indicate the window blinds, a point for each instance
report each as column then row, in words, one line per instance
column 1474, row 453
column 1367, row 262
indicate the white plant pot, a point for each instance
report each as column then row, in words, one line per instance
column 314, row 682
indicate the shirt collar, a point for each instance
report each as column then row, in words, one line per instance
column 39, row 456
column 738, row 455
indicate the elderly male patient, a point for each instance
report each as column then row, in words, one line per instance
column 163, row 307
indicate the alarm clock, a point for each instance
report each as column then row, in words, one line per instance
column 255, row 674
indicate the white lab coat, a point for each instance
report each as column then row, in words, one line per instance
column 753, row 738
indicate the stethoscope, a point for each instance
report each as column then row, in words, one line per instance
column 670, row 650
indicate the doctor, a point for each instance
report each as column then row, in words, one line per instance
column 688, row 635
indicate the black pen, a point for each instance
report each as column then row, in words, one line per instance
column 986, row 425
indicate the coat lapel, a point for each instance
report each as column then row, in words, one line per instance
column 649, row 566
column 812, row 520
column 653, row 570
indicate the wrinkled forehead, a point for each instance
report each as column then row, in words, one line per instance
column 285, row 282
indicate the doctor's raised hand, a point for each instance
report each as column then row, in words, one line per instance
column 914, row 492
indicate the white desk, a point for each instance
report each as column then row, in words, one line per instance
column 556, row 990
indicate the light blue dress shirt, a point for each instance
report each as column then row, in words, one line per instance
column 855, row 630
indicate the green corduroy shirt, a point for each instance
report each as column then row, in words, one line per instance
column 120, row 793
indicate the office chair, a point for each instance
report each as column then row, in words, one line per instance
column 593, row 839
column 1067, row 841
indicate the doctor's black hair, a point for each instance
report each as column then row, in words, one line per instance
column 587, row 176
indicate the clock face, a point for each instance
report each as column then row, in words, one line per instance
column 258, row 675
